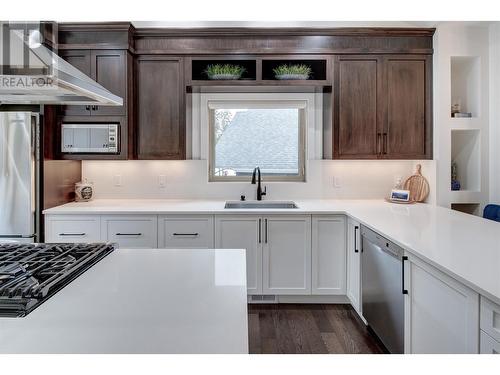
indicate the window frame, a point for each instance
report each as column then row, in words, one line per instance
column 300, row 105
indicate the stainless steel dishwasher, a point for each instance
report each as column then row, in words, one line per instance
column 382, row 288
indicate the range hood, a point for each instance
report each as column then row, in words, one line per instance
column 31, row 73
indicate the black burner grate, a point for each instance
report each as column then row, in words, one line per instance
column 31, row 273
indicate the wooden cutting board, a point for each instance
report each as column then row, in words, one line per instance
column 417, row 185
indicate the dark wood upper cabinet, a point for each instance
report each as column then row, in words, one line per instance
column 106, row 67
column 408, row 130
column 109, row 69
column 356, row 111
column 382, row 107
column 81, row 60
column 160, row 125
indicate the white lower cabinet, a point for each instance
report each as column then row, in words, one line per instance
column 243, row 232
column 186, row 232
column 354, row 264
column 441, row 314
column 488, row 344
column 286, row 256
column 72, row 228
column 328, row 255
column 130, row 231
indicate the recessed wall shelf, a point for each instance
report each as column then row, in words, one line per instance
column 466, row 153
column 465, row 84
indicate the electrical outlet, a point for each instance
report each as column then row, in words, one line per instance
column 398, row 180
column 117, row 180
column 162, row 181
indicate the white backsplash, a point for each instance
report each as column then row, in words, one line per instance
column 188, row 179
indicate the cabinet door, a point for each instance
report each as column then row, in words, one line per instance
column 131, row 231
column 356, row 113
column 287, row 255
column 81, row 60
column 186, row 232
column 408, row 131
column 488, row 344
column 328, row 255
column 109, row 69
column 160, row 108
column 354, row 264
column 243, row 232
column 441, row 314
column 72, row 228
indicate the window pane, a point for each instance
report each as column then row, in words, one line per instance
column 249, row 138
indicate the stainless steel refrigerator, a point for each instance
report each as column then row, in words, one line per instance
column 20, row 173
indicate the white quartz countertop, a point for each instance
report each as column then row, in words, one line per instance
column 464, row 246
column 142, row 301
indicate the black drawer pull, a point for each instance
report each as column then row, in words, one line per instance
column 186, row 234
column 129, row 234
column 72, row 234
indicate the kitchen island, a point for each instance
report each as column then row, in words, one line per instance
column 142, row 301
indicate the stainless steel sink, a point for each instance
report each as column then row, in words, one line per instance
column 260, row 204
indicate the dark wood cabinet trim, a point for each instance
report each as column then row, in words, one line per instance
column 286, row 31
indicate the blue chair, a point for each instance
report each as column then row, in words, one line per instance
column 492, row 212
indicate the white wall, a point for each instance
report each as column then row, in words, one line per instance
column 456, row 39
column 188, row 179
column 495, row 113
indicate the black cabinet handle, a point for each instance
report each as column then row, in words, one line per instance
column 260, row 230
column 379, row 137
column 356, row 239
column 405, row 291
column 72, row 234
column 87, row 108
column 385, row 144
column 129, row 234
column 186, row 234
column 266, row 228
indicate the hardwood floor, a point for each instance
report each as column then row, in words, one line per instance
column 308, row 329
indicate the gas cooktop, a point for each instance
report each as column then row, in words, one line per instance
column 32, row 273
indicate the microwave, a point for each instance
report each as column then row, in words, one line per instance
column 90, row 138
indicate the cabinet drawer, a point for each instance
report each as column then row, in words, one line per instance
column 72, row 228
column 490, row 318
column 186, row 232
column 488, row 345
column 137, row 231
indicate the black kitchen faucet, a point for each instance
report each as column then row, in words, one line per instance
column 260, row 193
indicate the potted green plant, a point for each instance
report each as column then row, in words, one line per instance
column 224, row 71
column 292, row 71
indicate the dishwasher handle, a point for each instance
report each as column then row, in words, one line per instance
column 356, row 250
column 403, row 289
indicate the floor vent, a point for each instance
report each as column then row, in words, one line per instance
column 263, row 299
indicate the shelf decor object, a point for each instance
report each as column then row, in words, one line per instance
column 417, row 185
column 292, row 72
column 224, row 72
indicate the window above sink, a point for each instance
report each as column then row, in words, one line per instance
column 245, row 134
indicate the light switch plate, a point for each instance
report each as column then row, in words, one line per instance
column 117, row 180
column 162, row 181
column 336, row 182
